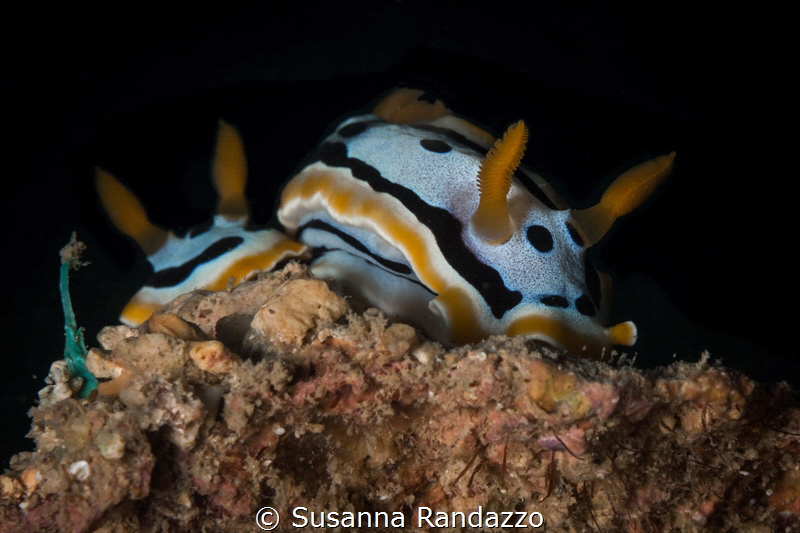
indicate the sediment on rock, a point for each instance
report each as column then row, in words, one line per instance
column 275, row 394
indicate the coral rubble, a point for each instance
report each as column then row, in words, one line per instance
column 276, row 394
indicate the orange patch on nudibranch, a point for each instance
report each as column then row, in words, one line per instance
column 404, row 106
column 138, row 310
column 574, row 340
column 246, row 266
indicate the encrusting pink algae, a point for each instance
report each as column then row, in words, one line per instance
column 276, row 394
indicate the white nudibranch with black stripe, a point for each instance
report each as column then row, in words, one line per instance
column 208, row 257
column 417, row 212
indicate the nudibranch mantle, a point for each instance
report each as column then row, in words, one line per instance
column 425, row 216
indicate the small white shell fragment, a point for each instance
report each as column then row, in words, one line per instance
column 79, row 470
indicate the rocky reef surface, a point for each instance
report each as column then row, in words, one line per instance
column 276, row 394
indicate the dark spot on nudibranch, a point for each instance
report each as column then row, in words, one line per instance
column 585, row 306
column 554, row 300
column 435, row 145
column 576, row 236
column 351, row 130
column 541, row 238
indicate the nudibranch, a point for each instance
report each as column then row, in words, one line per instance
column 415, row 211
column 210, row 257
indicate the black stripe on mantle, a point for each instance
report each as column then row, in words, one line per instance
column 172, row 276
column 399, row 268
column 445, row 227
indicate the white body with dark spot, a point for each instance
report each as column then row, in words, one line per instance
column 403, row 209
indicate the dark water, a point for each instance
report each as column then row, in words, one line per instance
column 706, row 264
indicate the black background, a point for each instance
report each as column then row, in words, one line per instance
column 707, row 263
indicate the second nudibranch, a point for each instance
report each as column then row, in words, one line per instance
column 419, row 213
column 210, row 257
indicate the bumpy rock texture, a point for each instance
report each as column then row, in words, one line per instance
column 275, row 394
